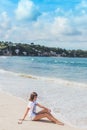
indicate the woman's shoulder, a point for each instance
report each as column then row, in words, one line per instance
column 30, row 103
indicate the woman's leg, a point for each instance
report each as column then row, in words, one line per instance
column 49, row 113
column 43, row 111
column 49, row 116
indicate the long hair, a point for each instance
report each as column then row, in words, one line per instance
column 32, row 95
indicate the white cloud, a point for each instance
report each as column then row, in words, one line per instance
column 81, row 8
column 26, row 10
column 5, row 25
column 56, row 28
column 4, row 22
column 83, row 4
column 50, row 27
column 59, row 25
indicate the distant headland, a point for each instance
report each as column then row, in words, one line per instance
column 20, row 49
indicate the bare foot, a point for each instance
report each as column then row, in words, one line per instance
column 59, row 123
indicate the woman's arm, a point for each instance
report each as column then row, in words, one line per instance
column 39, row 105
column 25, row 114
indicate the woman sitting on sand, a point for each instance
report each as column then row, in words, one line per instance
column 31, row 110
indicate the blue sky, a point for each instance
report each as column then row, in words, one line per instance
column 55, row 23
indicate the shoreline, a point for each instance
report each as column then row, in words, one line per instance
column 12, row 108
column 60, row 81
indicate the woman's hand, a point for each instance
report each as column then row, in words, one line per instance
column 49, row 110
column 20, row 121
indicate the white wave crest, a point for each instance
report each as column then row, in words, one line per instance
column 55, row 80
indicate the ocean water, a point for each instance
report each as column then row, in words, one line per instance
column 60, row 82
column 69, row 69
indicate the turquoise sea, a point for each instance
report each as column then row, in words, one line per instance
column 69, row 69
column 60, row 82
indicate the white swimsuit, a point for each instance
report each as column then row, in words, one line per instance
column 32, row 109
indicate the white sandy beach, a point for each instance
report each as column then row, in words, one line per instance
column 12, row 108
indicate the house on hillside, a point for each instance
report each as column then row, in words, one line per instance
column 5, row 52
